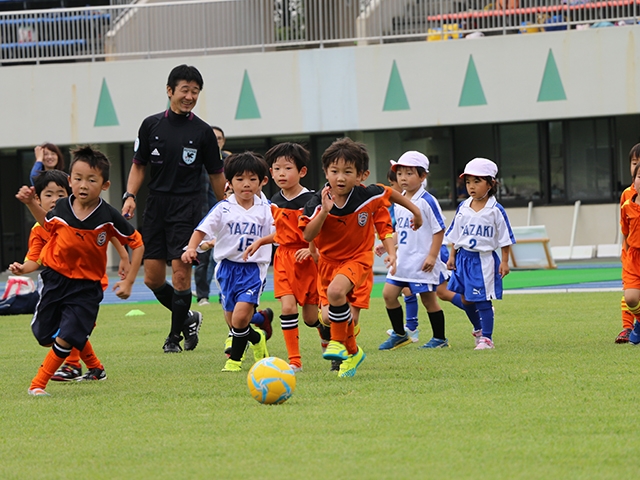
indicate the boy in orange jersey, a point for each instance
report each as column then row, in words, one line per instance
column 294, row 269
column 630, row 225
column 340, row 221
column 628, row 193
column 75, row 260
column 50, row 186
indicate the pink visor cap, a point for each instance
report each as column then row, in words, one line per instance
column 480, row 167
column 411, row 159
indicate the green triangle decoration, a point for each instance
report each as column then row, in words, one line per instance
column 247, row 105
column 551, row 88
column 472, row 93
column 106, row 113
column 396, row 98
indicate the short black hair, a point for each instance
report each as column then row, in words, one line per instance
column 292, row 151
column 354, row 153
column 238, row 163
column 94, row 157
column 184, row 72
column 391, row 176
column 634, row 152
column 635, row 171
column 213, row 127
column 47, row 176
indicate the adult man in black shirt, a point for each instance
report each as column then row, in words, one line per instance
column 175, row 144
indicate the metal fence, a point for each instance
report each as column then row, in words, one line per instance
column 209, row 26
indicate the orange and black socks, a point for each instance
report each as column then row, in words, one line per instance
column 89, row 356
column 290, row 332
column 74, row 358
column 52, row 362
column 635, row 311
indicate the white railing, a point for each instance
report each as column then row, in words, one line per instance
column 211, row 26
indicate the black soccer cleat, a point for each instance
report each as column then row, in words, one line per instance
column 191, row 329
column 172, row 344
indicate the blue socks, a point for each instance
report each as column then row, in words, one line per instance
column 486, row 314
column 411, row 303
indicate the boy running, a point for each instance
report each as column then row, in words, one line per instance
column 294, row 269
column 75, row 259
column 340, row 221
column 419, row 266
column 50, row 186
column 236, row 223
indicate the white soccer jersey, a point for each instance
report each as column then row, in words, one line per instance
column 414, row 245
column 235, row 228
column 483, row 231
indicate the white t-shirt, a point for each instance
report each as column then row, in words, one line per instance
column 235, row 228
column 483, row 231
column 414, row 245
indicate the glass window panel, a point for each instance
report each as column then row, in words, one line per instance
column 435, row 143
column 471, row 141
column 556, row 161
column 519, row 172
column 588, row 163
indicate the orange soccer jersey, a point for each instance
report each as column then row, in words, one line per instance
column 630, row 225
column 78, row 248
column 38, row 238
column 627, row 317
column 289, row 276
column 345, row 242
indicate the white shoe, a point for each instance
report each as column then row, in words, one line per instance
column 484, row 343
column 295, row 369
column 477, row 335
column 202, row 302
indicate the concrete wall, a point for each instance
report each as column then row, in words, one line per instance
column 344, row 89
column 334, row 89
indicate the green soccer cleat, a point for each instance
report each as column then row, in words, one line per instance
column 335, row 351
column 349, row 366
column 232, row 366
column 260, row 348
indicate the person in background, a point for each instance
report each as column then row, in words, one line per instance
column 627, row 194
column 175, row 144
column 48, row 157
column 203, row 272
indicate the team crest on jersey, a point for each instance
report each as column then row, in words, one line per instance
column 189, row 155
column 102, row 238
column 362, row 218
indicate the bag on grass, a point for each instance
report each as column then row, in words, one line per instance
column 20, row 296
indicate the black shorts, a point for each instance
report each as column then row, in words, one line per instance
column 68, row 308
column 168, row 223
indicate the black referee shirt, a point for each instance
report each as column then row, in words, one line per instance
column 176, row 147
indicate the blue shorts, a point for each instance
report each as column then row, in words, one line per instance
column 416, row 288
column 239, row 282
column 476, row 276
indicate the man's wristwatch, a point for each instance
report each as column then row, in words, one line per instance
column 128, row 195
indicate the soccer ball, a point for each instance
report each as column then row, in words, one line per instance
column 271, row 381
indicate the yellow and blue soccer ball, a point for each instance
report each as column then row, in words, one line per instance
column 271, row 381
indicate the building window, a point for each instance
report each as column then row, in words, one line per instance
column 519, row 172
column 589, row 160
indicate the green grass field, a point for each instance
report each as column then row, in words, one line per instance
column 554, row 400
